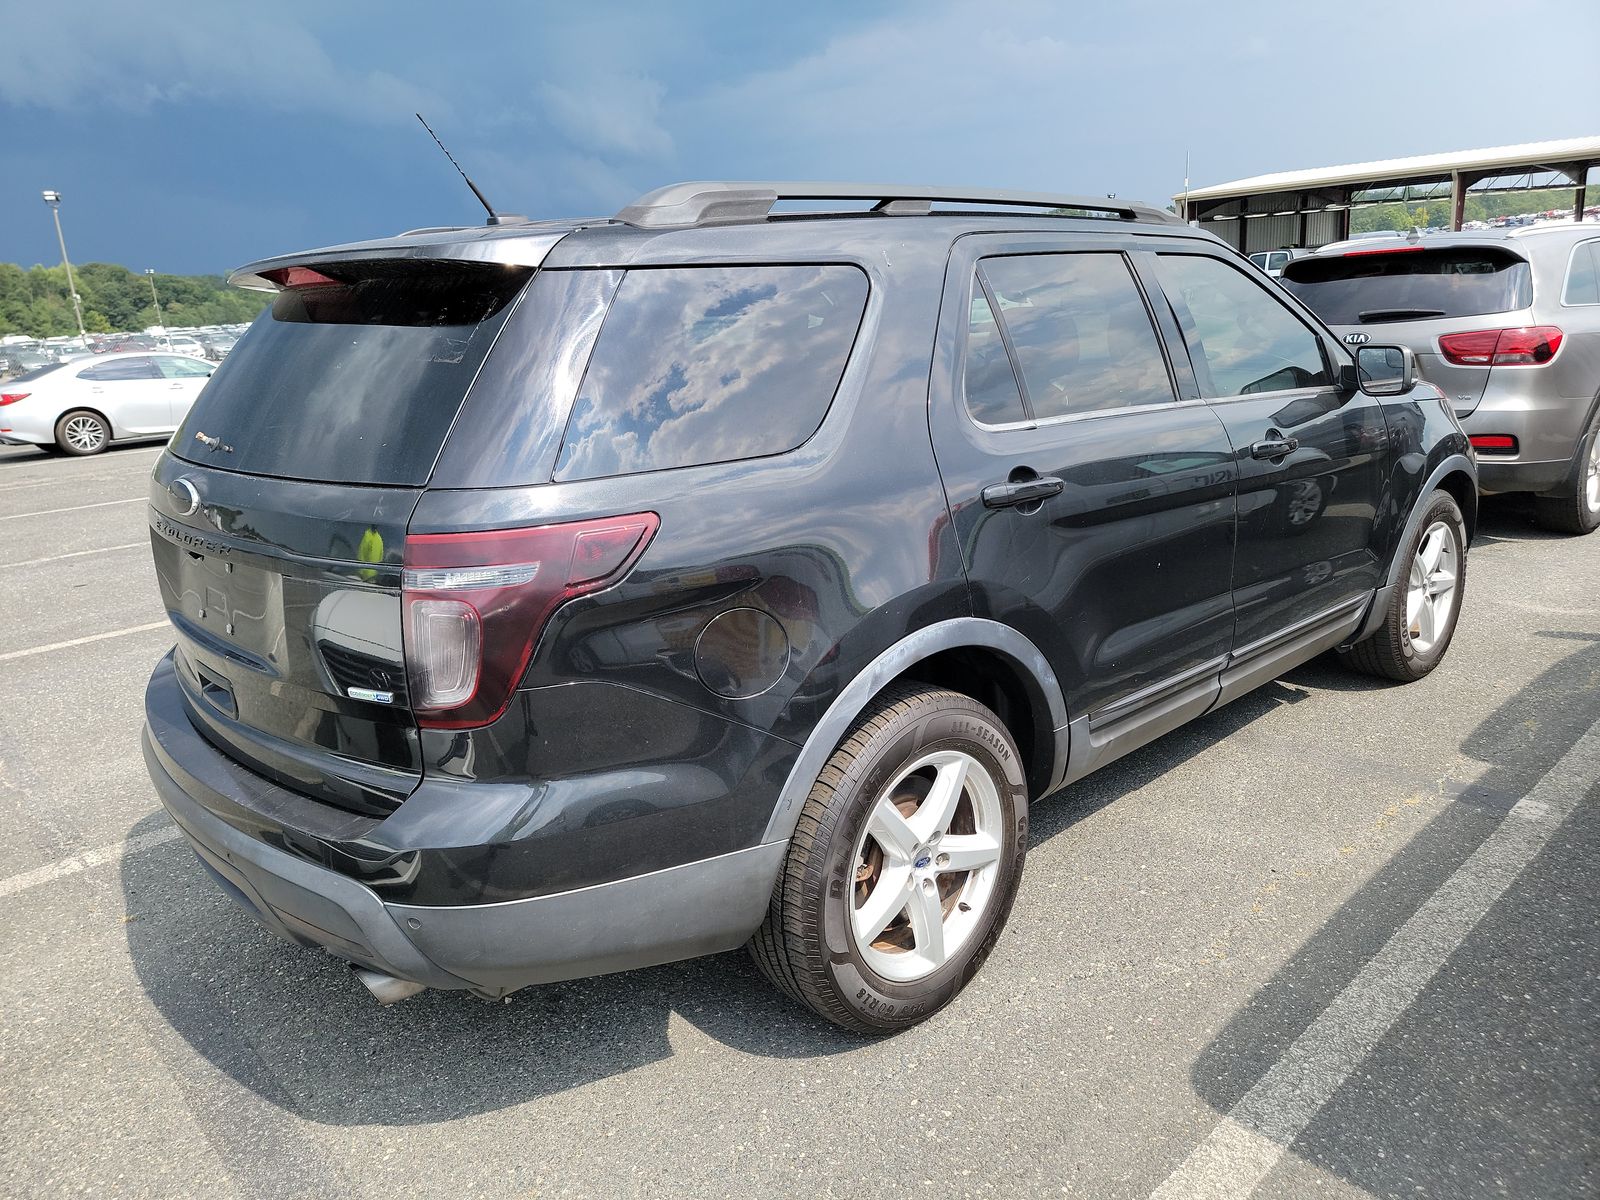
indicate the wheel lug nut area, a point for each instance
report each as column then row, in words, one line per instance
column 927, row 885
column 943, row 860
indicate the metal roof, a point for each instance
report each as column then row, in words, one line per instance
column 1392, row 170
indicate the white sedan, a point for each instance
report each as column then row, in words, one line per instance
column 82, row 406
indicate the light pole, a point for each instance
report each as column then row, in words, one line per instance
column 53, row 199
column 160, row 320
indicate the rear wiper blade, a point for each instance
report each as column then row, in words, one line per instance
column 1373, row 315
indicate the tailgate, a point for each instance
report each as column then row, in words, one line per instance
column 285, row 596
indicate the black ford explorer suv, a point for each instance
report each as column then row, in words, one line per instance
column 555, row 598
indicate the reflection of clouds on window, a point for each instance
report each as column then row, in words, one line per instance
column 1251, row 342
column 1082, row 336
column 711, row 364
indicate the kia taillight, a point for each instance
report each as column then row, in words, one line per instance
column 1525, row 346
column 13, row 397
column 475, row 604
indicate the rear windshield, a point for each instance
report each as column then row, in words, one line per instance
column 354, row 374
column 1411, row 285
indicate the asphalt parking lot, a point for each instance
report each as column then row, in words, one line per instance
column 1338, row 939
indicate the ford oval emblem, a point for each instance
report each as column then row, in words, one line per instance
column 184, row 497
column 1357, row 339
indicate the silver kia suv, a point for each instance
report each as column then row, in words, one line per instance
column 1507, row 323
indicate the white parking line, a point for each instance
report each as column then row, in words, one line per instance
column 34, row 562
column 93, row 637
column 82, row 862
column 46, row 512
column 1256, row 1133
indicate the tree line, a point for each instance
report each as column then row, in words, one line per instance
column 37, row 302
column 1404, row 216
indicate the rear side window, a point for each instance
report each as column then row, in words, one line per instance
column 988, row 380
column 355, row 373
column 699, row 365
column 1411, row 284
column 1583, row 276
column 119, row 369
column 183, row 368
column 1080, row 332
column 1249, row 340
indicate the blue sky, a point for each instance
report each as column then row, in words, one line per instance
column 196, row 136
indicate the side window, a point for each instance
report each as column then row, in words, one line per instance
column 1080, row 331
column 700, row 365
column 183, row 368
column 1277, row 261
column 120, row 369
column 1583, row 276
column 988, row 380
column 1250, row 341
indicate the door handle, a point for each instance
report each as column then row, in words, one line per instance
column 1022, row 491
column 1274, row 445
column 175, row 387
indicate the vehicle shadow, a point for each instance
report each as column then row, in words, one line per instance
column 294, row 1027
column 1438, row 1100
column 1510, row 519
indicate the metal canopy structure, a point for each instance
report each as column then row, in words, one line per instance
column 1312, row 208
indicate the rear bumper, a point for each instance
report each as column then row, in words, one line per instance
column 1547, row 430
column 697, row 908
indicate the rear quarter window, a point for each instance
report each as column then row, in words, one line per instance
column 697, row 365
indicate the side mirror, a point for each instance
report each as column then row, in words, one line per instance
column 1385, row 370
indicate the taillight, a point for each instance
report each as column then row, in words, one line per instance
column 1528, row 345
column 1495, row 443
column 13, row 397
column 475, row 604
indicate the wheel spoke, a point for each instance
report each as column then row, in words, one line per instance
column 1415, row 598
column 967, row 852
column 939, row 806
column 927, row 924
column 891, row 831
column 1428, row 553
column 883, row 904
column 1428, row 619
column 1441, row 582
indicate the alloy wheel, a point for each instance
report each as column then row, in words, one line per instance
column 86, row 434
column 926, row 864
column 1430, row 594
column 1591, row 476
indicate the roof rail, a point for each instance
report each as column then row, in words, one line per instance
column 686, row 205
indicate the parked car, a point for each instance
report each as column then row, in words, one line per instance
column 186, row 345
column 1274, row 261
column 1507, row 323
column 84, row 405
column 560, row 598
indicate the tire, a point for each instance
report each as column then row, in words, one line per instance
column 1421, row 620
column 1576, row 508
column 852, row 841
column 82, row 432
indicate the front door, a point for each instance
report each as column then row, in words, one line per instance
column 1310, row 455
column 1095, row 509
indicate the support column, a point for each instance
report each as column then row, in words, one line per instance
column 1458, row 200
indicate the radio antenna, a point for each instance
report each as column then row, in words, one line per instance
column 494, row 217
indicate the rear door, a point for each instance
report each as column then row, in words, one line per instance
column 278, row 517
column 184, row 379
column 1414, row 293
column 1310, row 455
column 1094, row 508
column 129, row 391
